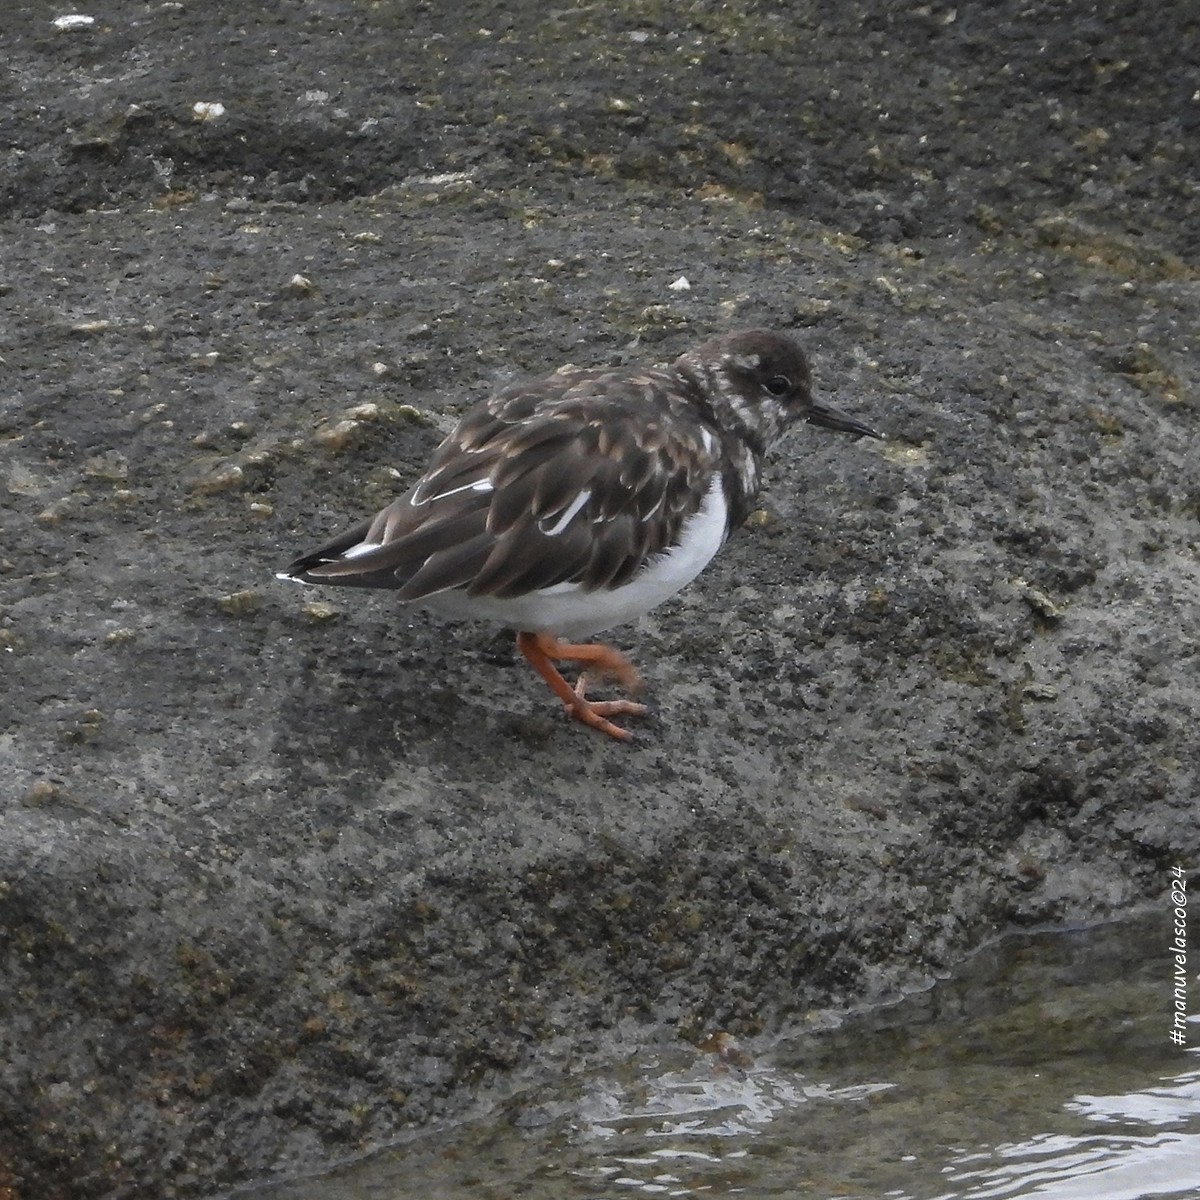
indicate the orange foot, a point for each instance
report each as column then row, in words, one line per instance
column 542, row 650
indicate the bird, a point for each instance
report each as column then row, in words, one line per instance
column 564, row 506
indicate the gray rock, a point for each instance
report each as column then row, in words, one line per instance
column 282, row 873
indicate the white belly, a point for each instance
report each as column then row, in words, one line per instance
column 569, row 611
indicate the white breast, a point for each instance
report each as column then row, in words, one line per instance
column 569, row 611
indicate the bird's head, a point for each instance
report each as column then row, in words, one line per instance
column 759, row 384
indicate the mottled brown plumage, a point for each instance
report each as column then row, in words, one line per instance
column 613, row 485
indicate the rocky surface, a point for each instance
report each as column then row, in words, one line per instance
column 283, row 872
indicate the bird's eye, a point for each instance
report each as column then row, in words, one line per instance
column 779, row 385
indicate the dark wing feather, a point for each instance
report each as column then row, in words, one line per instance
column 499, row 510
column 454, row 566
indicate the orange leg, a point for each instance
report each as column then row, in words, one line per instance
column 542, row 650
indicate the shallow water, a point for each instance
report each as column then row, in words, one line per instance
column 1042, row 1069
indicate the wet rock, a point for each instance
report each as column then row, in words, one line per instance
column 279, row 885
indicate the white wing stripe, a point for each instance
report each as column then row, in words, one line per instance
column 568, row 516
column 480, row 485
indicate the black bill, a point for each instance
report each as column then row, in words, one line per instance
column 829, row 417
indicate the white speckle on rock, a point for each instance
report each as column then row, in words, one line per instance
column 439, row 180
column 74, row 21
column 680, row 285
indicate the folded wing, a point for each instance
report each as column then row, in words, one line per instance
column 578, row 479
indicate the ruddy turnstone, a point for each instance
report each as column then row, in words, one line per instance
column 562, row 507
